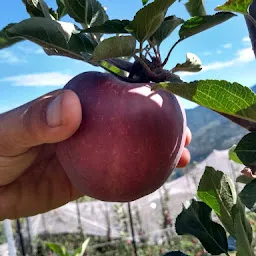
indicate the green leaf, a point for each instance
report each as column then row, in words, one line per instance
column 195, row 8
column 198, row 24
column 217, row 190
column 111, row 68
column 110, row 27
column 248, row 195
column 247, row 226
column 60, row 36
column 192, row 64
column 246, row 149
column 113, row 47
column 5, row 41
column 144, row 1
column 196, row 221
column 44, row 7
column 243, row 179
column 62, row 9
column 233, row 156
column 38, row 8
column 33, row 8
column 148, row 19
column 81, row 251
column 240, row 6
column 166, row 28
column 222, row 96
column 87, row 12
column 243, row 243
column 59, row 249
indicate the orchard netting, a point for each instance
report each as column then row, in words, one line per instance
column 151, row 220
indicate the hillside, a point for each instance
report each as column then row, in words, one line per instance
column 210, row 131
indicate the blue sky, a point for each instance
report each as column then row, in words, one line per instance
column 27, row 73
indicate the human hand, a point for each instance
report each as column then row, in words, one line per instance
column 32, row 179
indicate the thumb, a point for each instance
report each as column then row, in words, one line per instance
column 49, row 119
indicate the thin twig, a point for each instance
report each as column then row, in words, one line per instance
column 141, row 49
column 169, row 53
column 159, row 53
column 147, row 52
column 154, row 48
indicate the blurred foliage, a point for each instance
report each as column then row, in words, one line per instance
column 100, row 246
column 2, row 236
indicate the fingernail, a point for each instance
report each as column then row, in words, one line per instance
column 53, row 113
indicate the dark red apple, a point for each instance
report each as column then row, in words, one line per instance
column 129, row 141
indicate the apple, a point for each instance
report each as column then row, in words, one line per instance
column 129, row 141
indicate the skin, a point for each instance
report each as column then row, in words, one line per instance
column 28, row 163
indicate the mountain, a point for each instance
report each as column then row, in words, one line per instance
column 210, row 131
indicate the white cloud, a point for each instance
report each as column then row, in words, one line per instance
column 207, row 53
column 7, row 56
column 242, row 56
column 245, row 55
column 246, row 39
column 39, row 79
column 227, row 46
column 217, row 65
column 218, row 51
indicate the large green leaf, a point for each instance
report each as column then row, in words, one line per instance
column 195, row 8
column 244, row 179
column 148, row 19
column 62, row 9
column 113, row 47
column 87, row 12
column 110, row 27
column 198, row 24
column 144, row 1
column 6, row 41
column 217, row 190
column 196, row 221
column 246, row 149
column 39, row 8
column 166, row 28
column 233, row 156
column 248, row 195
column 60, row 36
column 222, row 96
column 243, row 243
column 240, row 6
